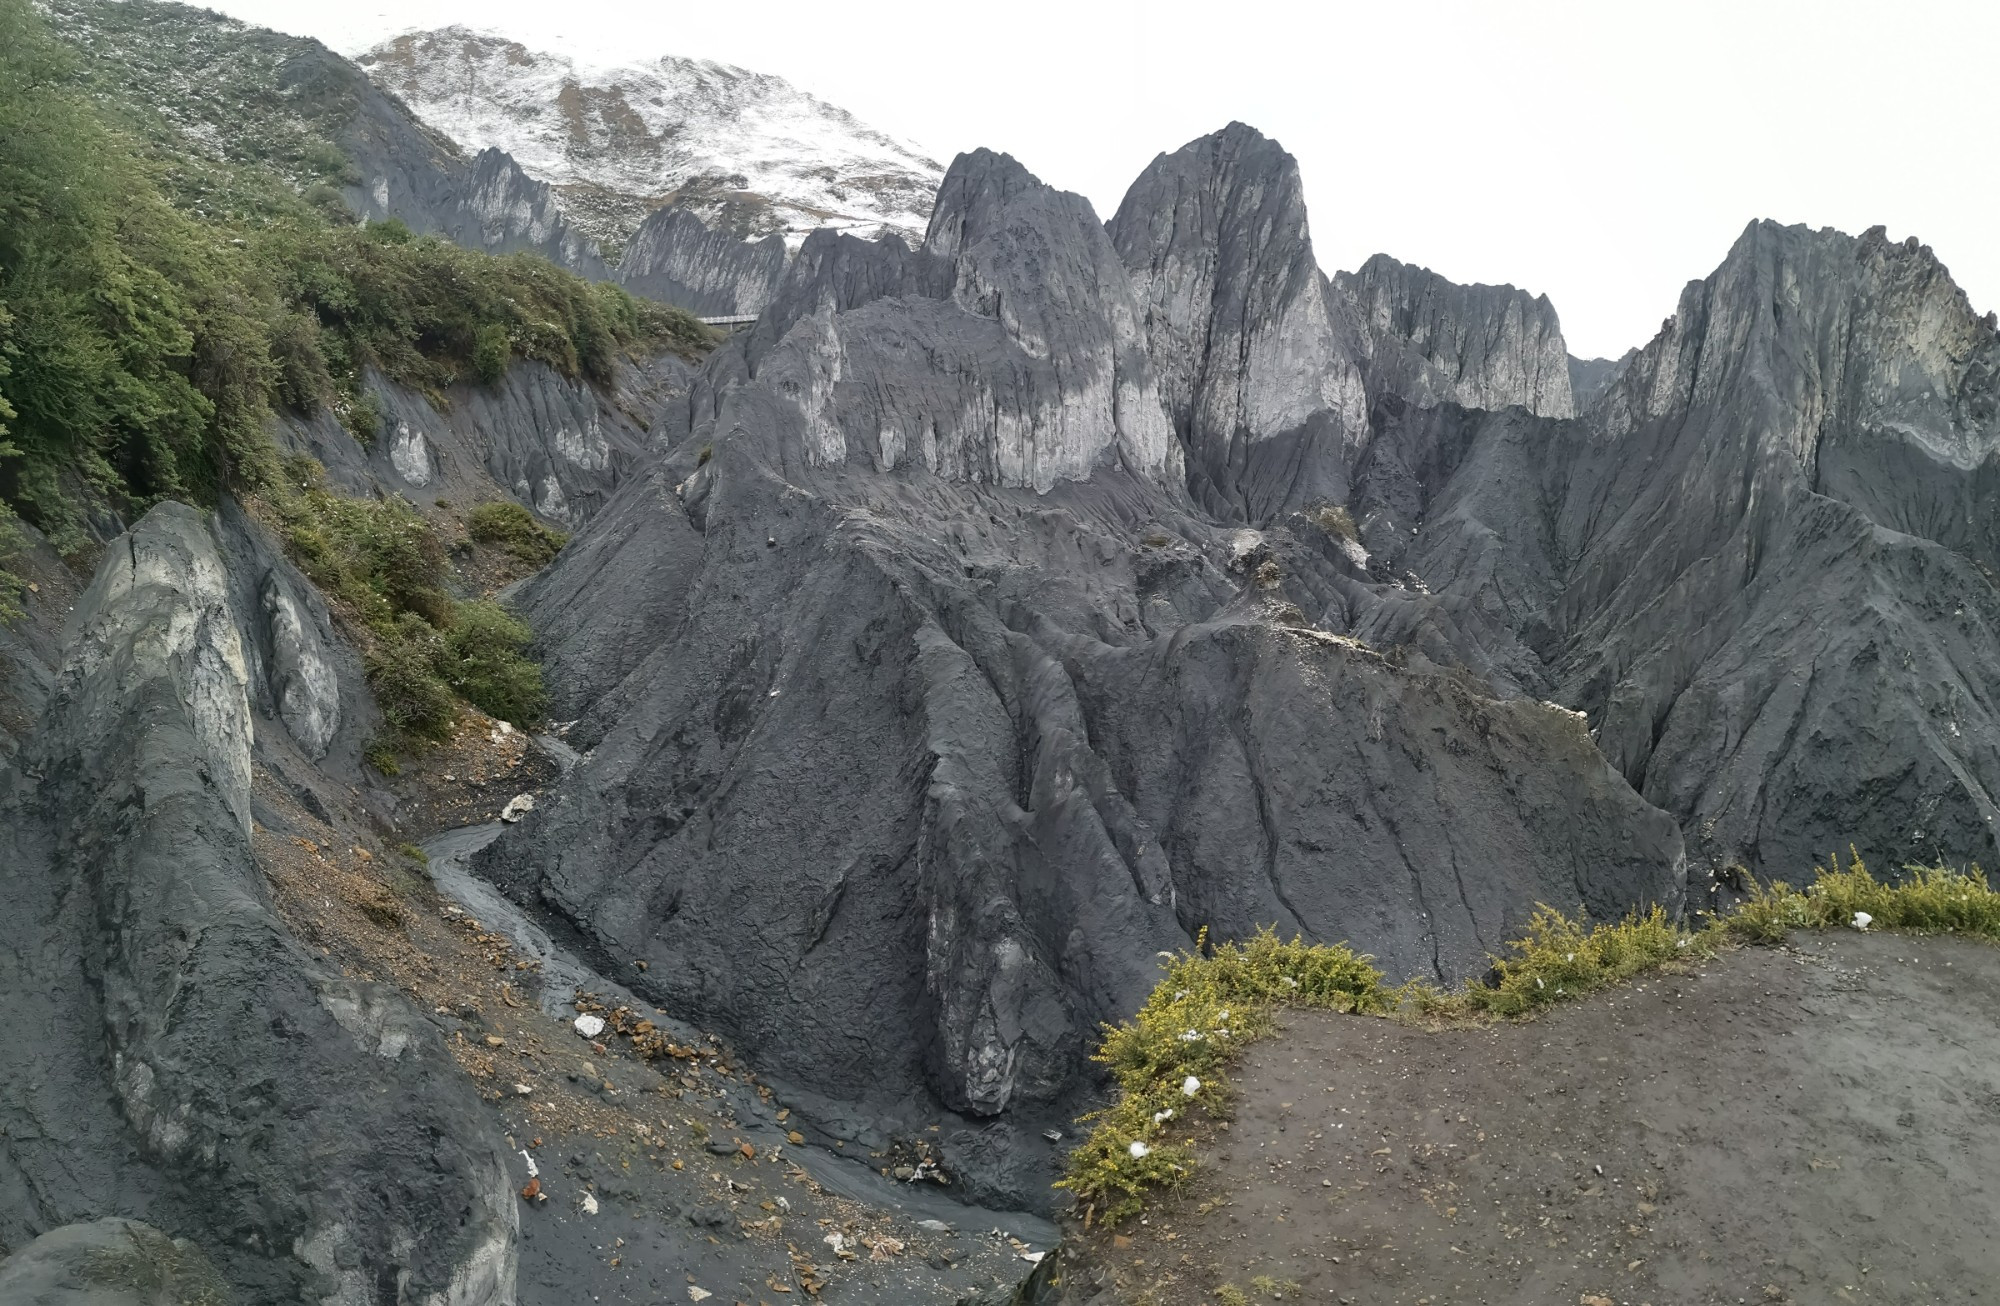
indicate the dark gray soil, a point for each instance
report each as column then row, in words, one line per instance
column 1817, row 1123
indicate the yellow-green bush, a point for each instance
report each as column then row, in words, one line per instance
column 1211, row 1004
column 1928, row 900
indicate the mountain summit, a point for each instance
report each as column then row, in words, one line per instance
column 749, row 152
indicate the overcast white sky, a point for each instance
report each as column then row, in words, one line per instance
column 1603, row 152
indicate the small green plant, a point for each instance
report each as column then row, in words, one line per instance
column 1231, row 1295
column 513, row 528
column 380, row 753
column 1266, row 1286
column 415, row 854
column 707, row 452
column 362, row 416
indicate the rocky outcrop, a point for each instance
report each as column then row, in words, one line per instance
column 674, row 257
column 921, row 708
column 560, row 446
column 1589, row 378
column 1432, row 341
column 109, row 1262
column 496, row 207
column 1257, row 359
column 1802, row 558
column 176, row 1052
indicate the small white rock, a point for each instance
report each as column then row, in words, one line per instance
column 589, row 1026
column 1862, row 920
column 522, row 1090
column 589, row 1204
column 516, row 805
column 1138, row 1149
column 1190, row 1086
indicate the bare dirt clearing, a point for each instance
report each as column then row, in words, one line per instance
column 1813, row 1123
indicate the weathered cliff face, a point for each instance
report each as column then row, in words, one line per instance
column 176, row 1052
column 1800, row 559
column 675, row 258
column 1257, row 360
column 560, row 446
column 1432, row 341
column 922, row 707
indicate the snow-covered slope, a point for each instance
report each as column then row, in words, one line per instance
column 748, row 152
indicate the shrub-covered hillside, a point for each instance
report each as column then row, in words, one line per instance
column 158, row 302
column 145, row 341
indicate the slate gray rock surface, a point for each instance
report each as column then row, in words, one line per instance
column 674, row 257
column 559, row 446
column 175, row 1053
column 941, row 708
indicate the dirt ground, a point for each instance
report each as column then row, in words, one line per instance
column 1815, row 1123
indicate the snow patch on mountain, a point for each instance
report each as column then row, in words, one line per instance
column 747, row 151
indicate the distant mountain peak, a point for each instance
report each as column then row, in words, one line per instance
column 748, row 151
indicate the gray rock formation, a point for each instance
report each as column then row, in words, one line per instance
column 1432, row 341
column 674, row 257
column 1589, row 378
column 559, row 446
column 496, row 207
column 922, row 707
column 175, row 1053
column 1257, row 357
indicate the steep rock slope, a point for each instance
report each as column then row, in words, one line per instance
column 1256, row 356
column 746, row 151
column 559, row 446
column 1802, row 559
column 1769, row 541
column 937, row 708
column 674, row 257
column 176, row 1053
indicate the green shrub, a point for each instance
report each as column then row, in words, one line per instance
column 406, row 672
column 1928, row 900
column 380, row 753
column 513, row 528
column 488, row 666
column 384, row 567
column 490, row 352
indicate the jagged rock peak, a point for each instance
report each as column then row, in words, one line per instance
column 1247, row 340
column 750, row 152
column 1887, row 340
column 1435, row 341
